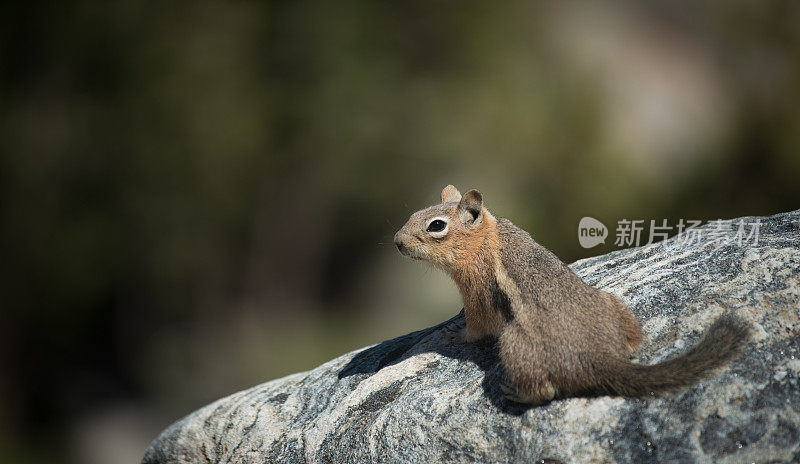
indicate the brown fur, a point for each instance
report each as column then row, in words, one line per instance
column 557, row 335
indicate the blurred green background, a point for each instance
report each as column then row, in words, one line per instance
column 197, row 197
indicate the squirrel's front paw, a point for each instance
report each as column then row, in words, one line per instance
column 513, row 394
column 510, row 391
column 455, row 333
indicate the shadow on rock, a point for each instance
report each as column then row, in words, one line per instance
column 483, row 354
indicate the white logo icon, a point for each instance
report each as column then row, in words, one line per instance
column 591, row 232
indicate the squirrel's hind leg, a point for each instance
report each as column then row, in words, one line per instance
column 628, row 325
column 631, row 329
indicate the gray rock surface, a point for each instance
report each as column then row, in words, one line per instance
column 417, row 399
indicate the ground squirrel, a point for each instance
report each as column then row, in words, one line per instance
column 557, row 335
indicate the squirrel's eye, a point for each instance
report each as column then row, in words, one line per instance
column 436, row 226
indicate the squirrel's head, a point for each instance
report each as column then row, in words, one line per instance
column 449, row 234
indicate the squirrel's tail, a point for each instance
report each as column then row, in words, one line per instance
column 722, row 342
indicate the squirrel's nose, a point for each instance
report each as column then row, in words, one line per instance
column 398, row 242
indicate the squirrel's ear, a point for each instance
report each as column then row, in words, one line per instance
column 450, row 193
column 471, row 203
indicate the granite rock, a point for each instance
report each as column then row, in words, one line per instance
column 418, row 399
